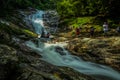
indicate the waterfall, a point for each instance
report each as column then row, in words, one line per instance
column 50, row 54
column 37, row 22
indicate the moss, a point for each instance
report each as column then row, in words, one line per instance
column 13, row 29
column 29, row 33
column 77, row 22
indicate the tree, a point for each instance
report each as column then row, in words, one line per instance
column 88, row 7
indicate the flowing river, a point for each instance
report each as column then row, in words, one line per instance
column 49, row 54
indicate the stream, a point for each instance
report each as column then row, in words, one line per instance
column 50, row 55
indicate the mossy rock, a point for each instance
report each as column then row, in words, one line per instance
column 13, row 29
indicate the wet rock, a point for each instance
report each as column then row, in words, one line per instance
column 8, row 63
column 30, row 67
column 18, row 62
column 7, row 53
column 51, row 20
column 104, row 50
column 60, row 50
column 4, row 37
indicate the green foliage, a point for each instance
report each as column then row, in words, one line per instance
column 68, row 8
column 65, row 8
column 83, row 22
column 7, row 6
column 78, row 22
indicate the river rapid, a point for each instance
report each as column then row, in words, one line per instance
column 51, row 55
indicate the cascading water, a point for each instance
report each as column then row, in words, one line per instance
column 37, row 22
column 49, row 54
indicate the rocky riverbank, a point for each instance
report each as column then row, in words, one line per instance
column 102, row 50
column 18, row 62
column 24, row 64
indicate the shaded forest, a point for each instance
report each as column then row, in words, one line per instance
column 8, row 6
column 76, row 8
column 66, row 8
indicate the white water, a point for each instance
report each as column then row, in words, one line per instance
column 37, row 22
column 49, row 54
